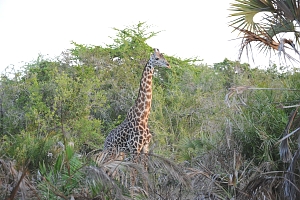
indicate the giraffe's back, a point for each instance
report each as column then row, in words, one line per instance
column 117, row 138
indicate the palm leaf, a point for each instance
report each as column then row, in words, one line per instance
column 279, row 26
column 14, row 183
column 281, row 18
column 288, row 9
column 262, row 186
column 114, row 169
column 245, row 10
column 159, row 164
column 284, row 150
column 290, row 186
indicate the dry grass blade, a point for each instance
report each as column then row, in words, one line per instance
column 16, row 188
column 228, row 132
column 192, row 172
column 289, row 135
column 211, row 187
column 137, row 191
column 15, row 184
column 292, row 106
column 235, row 90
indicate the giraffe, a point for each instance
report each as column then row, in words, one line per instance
column 133, row 135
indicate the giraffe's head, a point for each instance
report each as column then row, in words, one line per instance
column 157, row 59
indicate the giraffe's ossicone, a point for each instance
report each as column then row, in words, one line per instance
column 133, row 135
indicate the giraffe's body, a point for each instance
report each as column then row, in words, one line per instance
column 133, row 135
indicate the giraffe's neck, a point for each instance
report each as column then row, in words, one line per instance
column 141, row 110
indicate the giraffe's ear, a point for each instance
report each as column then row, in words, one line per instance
column 156, row 50
column 156, row 53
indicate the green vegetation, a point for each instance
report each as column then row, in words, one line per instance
column 215, row 129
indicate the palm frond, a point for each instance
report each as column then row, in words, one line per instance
column 284, row 150
column 281, row 18
column 275, row 26
column 262, row 187
column 159, row 164
column 15, row 183
column 290, row 186
column 98, row 179
column 112, row 169
column 288, row 9
column 245, row 10
column 162, row 173
column 211, row 184
column 266, row 42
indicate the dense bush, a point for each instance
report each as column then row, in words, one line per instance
column 203, row 118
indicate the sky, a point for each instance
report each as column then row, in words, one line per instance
column 190, row 28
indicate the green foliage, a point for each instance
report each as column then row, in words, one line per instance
column 64, row 178
column 28, row 147
column 181, row 107
column 262, row 125
column 258, row 121
column 231, row 71
column 46, row 104
column 83, row 95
